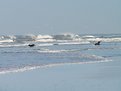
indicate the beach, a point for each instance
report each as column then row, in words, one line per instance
column 105, row 76
column 68, row 63
column 60, row 45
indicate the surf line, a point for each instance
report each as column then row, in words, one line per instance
column 28, row 68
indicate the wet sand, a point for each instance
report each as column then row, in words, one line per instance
column 105, row 76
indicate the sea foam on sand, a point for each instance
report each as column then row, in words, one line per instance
column 105, row 76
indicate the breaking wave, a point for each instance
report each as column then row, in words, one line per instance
column 55, row 50
column 58, row 38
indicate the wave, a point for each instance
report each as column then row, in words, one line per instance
column 62, row 39
column 56, row 51
column 44, row 38
column 27, row 68
column 71, row 43
column 43, row 48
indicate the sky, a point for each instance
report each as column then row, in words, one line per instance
column 60, row 16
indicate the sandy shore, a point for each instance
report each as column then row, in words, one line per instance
column 72, row 77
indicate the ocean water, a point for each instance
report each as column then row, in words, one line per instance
column 54, row 50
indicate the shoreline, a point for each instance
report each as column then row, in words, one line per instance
column 29, row 68
column 104, row 76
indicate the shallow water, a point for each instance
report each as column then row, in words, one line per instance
column 77, row 66
column 16, row 56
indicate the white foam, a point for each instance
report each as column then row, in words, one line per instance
column 44, row 38
column 111, row 39
column 104, row 39
column 46, row 44
column 49, row 40
column 52, row 51
column 73, row 43
column 88, row 36
column 27, row 68
column 6, row 40
column 14, row 45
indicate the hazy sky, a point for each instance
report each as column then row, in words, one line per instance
column 60, row 16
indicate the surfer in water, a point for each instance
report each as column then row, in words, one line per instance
column 31, row 45
column 98, row 43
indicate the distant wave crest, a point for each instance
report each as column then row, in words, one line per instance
column 23, row 40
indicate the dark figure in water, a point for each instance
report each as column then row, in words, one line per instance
column 97, row 43
column 31, row 45
column 55, row 44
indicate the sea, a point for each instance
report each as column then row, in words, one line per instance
column 52, row 50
